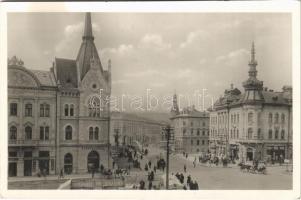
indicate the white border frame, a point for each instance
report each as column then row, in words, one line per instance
column 292, row 7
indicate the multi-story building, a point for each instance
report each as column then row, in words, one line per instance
column 256, row 124
column 128, row 128
column 58, row 119
column 190, row 129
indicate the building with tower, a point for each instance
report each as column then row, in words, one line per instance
column 255, row 124
column 59, row 119
column 190, row 129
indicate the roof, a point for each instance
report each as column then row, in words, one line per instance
column 46, row 78
column 274, row 97
column 66, row 72
column 134, row 117
column 191, row 112
column 87, row 49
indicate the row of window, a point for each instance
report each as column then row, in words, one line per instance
column 235, row 118
column 198, row 132
column 191, row 123
column 93, row 133
column 235, row 134
column 198, row 142
column 276, row 118
column 44, row 110
column 44, row 133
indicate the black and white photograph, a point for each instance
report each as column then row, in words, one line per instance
column 151, row 101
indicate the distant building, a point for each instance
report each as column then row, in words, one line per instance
column 190, row 129
column 255, row 124
column 56, row 119
column 129, row 128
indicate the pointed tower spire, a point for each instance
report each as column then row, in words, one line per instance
column 253, row 63
column 175, row 107
column 88, row 27
column 87, row 52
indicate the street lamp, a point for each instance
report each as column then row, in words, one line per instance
column 167, row 131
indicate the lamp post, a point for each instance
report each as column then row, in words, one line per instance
column 167, row 131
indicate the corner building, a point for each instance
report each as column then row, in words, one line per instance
column 190, row 129
column 256, row 124
column 59, row 119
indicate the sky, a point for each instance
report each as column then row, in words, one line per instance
column 158, row 54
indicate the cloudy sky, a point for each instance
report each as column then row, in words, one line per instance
column 163, row 52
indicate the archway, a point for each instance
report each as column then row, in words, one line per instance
column 93, row 161
column 68, row 163
column 250, row 155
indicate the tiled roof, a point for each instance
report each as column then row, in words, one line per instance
column 66, row 72
column 274, row 97
column 133, row 117
column 46, row 78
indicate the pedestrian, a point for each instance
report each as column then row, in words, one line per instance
column 194, row 164
column 146, row 167
column 93, row 173
column 61, row 174
column 142, row 185
column 155, row 169
column 185, row 168
column 188, row 180
column 113, row 164
column 196, row 185
column 150, row 185
column 149, row 164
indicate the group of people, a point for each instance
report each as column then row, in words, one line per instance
column 190, row 184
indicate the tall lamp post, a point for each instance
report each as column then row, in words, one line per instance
column 167, row 131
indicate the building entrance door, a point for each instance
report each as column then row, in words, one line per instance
column 93, row 161
column 250, row 155
column 44, row 162
column 12, row 169
column 27, row 167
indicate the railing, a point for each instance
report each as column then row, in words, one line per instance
column 29, row 142
column 97, row 183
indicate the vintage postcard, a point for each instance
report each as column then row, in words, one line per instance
column 112, row 100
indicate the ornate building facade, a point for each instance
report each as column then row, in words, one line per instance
column 190, row 129
column 59, row 119
column 256, row 124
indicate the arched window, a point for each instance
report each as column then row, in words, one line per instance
column 28, row 110
column 91, row 133
column 270, row 118
column 282, row 134
column 94, row 106
column 276, row 134
column 68, row 163
column 198, row 142
column 13, row 133
column 282, row 118
column 191, row 142
column 96, row 133
column 66, row 110
column 276, row 118
column 270, row 134
column 198, row 132
column 28, row 133
column 68, row 133
column 250, row 117
column 237, row 133
column 71, row 110
column 250, row 133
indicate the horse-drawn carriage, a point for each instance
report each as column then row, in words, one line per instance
column 253, row 167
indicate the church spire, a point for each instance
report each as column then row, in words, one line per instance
column 87, row 52
column 253, row 63
column 88, row 27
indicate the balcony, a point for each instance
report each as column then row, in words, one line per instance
column 29, row 143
